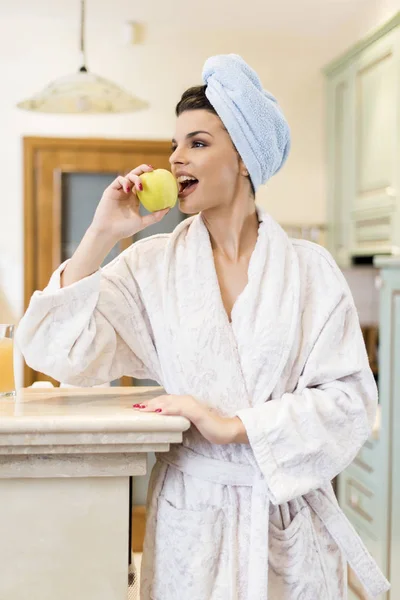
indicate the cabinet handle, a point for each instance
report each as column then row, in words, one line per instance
column 354, row 501
column 390, row 191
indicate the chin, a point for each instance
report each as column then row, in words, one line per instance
column 190, row 208
column 186, row 210
column 192, row 205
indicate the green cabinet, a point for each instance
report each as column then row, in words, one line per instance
column 369, row 489
column 341, row 153
column 363, row 127
column 390, row 397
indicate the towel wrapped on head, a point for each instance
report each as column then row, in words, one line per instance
column 251, row 115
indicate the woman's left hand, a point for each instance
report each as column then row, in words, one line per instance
column 216, row 429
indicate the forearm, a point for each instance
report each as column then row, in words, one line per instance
column 88, row 257
column 213, row 426
column 216, row 428
column 239, row 433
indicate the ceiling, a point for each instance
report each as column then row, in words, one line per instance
column 301, row 17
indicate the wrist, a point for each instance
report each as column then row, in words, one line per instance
column 238, row 434
column 196, row 412
column 101, row 236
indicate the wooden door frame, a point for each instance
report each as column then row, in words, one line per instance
column 32, row 149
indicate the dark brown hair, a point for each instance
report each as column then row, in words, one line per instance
column 195, row 99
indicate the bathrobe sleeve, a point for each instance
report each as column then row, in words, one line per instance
column 93, row 331
column 302, row 440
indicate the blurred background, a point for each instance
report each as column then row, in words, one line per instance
column 334, row 66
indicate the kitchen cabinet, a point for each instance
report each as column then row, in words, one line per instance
column 369, row 489
column 363, row 127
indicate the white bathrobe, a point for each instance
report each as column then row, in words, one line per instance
column 291, row 364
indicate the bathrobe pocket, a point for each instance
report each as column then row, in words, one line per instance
column 295, row 568
column 188, row 553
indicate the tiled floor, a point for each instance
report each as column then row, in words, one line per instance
column 137, row 557
column 134, row 582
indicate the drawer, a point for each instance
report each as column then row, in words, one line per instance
column 372, row 226
column 365, row 503
column 360, row 500
column 367, row 460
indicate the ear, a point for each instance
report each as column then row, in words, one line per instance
column 242, row 168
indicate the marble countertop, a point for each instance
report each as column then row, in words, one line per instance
column 89, row 410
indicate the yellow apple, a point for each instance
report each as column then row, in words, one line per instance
column 160, row 190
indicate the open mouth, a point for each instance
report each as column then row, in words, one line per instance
column 187, row 185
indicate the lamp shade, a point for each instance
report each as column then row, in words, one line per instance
column 83, row 92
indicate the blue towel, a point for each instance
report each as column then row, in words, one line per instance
column 251, row 115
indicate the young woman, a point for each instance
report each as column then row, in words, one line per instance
column 255, row 339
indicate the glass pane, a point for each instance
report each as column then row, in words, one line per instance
column 81, row 193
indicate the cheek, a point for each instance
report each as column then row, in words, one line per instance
column 226, row 176
column 220, row 171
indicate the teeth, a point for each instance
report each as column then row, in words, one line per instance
column 183, row 178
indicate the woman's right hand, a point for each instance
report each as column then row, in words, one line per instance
column 117, row 215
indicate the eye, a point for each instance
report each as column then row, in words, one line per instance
column 198, row 144
column 173, row 148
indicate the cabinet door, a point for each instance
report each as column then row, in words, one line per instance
column 377, row 111
column 394, row 435
column 389, row 390
column 341, row 153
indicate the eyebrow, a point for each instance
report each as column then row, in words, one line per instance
column 193, row 134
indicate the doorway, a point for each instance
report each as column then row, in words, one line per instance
column 64, row 181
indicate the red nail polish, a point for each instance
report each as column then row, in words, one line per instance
column 136, row 405
column 140, row 187
column 128, row 189
column 158, row 410
column 142, row 406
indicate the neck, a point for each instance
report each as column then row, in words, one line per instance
column 233, row 229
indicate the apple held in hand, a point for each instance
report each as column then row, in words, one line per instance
column 160, row 190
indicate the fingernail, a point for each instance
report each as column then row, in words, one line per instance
column 128, row 189
column 158, row 410
column 140, row 186
column 136, row 405
column 151, row 166
column 142, row 406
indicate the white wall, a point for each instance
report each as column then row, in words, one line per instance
column 35, row 51
column 158, row 71
column 364, row 22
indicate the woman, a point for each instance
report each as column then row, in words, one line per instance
column 255, row 339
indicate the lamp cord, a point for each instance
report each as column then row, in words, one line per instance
column 83, row 68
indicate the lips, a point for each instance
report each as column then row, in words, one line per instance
column 188, row 189
column 187, row 184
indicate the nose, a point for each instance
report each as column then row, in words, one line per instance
column 177, row 157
